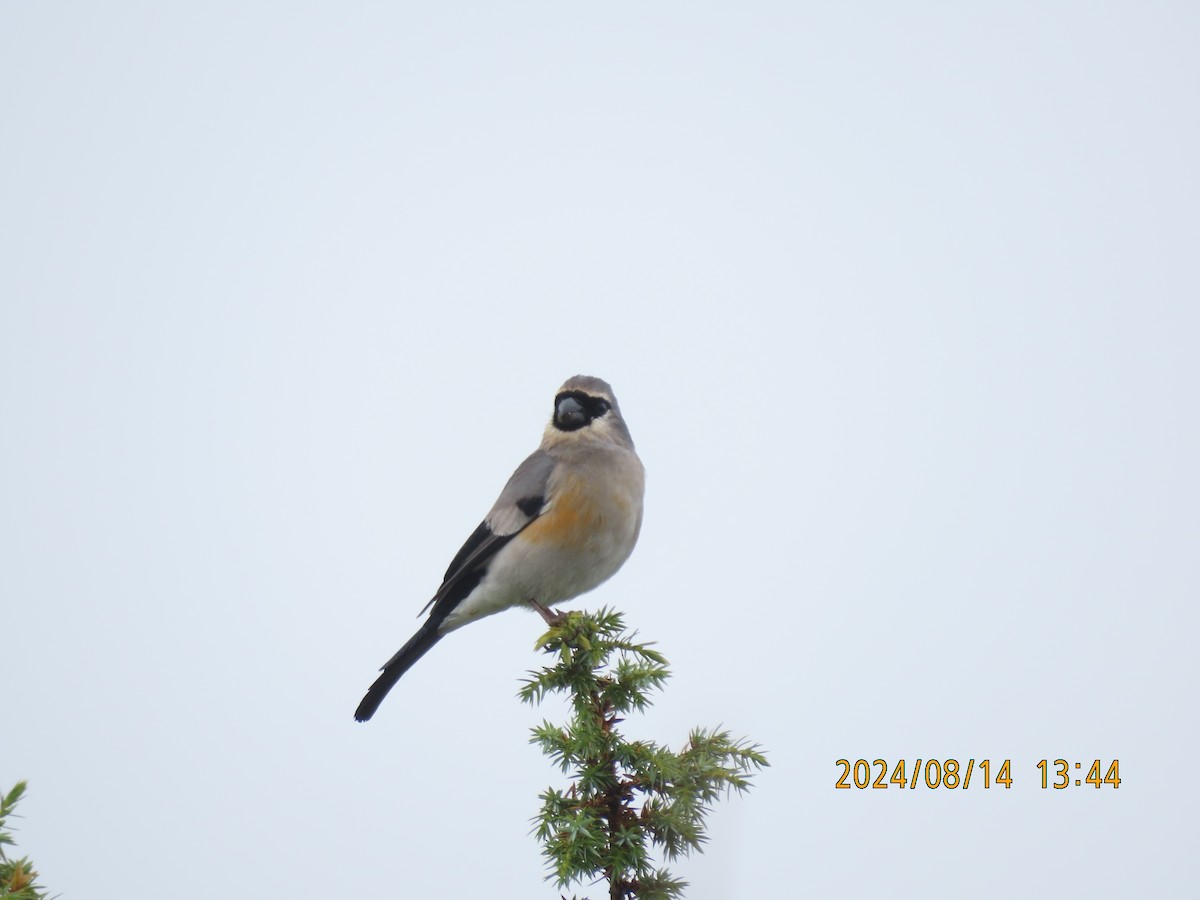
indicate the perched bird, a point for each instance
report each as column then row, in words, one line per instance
column 565, row 522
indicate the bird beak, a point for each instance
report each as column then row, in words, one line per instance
column 569, row 413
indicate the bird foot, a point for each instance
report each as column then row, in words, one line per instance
column 553, row 619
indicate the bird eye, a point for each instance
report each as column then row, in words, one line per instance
column 601, row 407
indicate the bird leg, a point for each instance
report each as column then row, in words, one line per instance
column 553, row 619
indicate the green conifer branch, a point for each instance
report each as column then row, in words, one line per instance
column 627, row 798
column 18, row 880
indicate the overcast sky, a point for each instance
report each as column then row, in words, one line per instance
column 901, row 305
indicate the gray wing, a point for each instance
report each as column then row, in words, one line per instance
column 522, row 500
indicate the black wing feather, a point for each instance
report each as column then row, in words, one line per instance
column 522, row 501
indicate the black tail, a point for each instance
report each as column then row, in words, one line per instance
column 418, row 645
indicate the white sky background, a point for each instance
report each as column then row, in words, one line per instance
column 901, row 307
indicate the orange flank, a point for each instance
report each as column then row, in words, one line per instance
column 570, row 522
